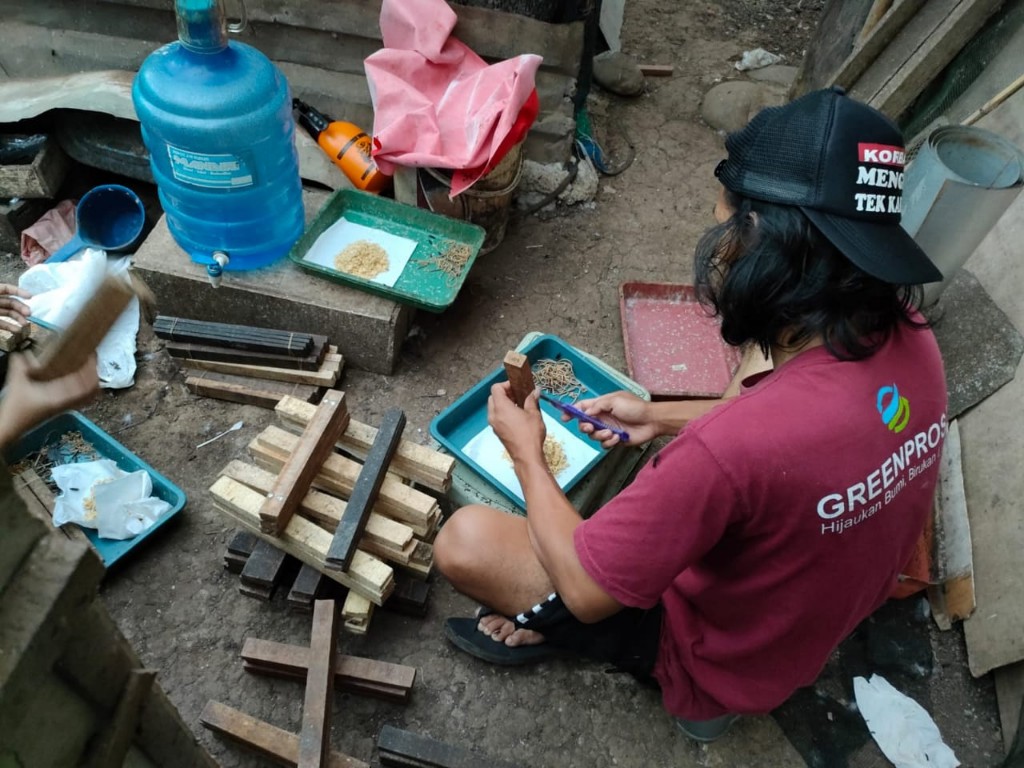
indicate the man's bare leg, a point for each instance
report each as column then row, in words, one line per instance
column 486, row 554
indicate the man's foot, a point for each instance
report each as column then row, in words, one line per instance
column 494, row 638
column 501, row 629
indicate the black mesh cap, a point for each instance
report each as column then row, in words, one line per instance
column 841, row 162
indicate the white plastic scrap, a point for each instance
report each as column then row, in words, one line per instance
column 96, row 494
column 901, row 727
column 756, row 59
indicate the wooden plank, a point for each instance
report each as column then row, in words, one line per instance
column 338, row 475
column 304, row 462
column 242, row 543
column 870, row 46
column 349, row 670
column 921, row 50
column 74, row 346
column 356, row 613
column 262, row 738
column 190, row 352
column 517, row 368
column 304, row 541
column 307, row 587
column 398, row 747
column 952, row 597
column 234, row 563
column 838, row 25
column 236, row 389
column 315, row 736
column 325, row 376
column 327, row 511
column 12, row 334
column 366, row 489
column 415, row 462
column 114, row 742
column 264, row 566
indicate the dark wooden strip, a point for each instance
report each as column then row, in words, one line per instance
column 310, row 362
column 242, row 543
column 366, row 489
column 235, row 336
column 264, row 566
column 315, row 737
column 347, row 684
column 259, row 593
column 410, row 597
column 234, row 563
column 247, row 389
column 398, row 747
column 308, row 586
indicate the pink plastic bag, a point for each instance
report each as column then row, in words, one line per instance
column 52, row 231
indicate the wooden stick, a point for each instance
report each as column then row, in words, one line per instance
column 517, row 368
column 994, row 102
column 73, row 347
column 315, row 737
column 404, row 748
column 412, row 461
column 878, row 10
column 325, row 376
column 367, row 486
column 263, row 738
column 315, row 445
column 352, row 673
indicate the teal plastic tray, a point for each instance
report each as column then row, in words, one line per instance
column 418, row 285
column 457, row 426
column 49, row 434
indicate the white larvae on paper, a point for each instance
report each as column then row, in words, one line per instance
column 344, row 234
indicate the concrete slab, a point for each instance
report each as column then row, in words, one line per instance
column 992, row 435
column 981, row 348
column 368, row 330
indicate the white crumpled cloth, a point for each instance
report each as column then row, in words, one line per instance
column 97, row 494
column 59, row 292
column 902, row 728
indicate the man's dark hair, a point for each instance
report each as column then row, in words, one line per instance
column 775, row 280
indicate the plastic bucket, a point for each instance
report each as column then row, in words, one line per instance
column 487, row 202
column 956, row 189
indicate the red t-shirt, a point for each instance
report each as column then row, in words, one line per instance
column 772, row 526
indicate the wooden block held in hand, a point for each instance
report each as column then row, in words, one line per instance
column 517, row 368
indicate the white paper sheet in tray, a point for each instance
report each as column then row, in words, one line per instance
column 486, row 450
column 344, row 232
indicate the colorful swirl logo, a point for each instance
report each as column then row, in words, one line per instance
column 894, row 410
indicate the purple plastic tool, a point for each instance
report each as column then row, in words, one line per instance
column 579, row 415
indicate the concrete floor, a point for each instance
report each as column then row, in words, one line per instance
column 561, row 275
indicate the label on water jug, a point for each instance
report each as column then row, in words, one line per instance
column 213, row 171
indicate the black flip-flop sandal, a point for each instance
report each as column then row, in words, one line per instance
column 465, row 636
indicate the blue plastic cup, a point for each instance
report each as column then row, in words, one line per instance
column 110, row 217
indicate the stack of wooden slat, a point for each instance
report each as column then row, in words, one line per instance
column 243, row 364
column 399, row 526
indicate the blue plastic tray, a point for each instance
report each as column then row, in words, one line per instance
column 50, row 432
column 456, row 427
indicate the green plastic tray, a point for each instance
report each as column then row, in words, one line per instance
column 419, row 286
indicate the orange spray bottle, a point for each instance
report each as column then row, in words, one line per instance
column 346, row 144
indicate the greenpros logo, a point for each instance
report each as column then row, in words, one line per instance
column 894, row 410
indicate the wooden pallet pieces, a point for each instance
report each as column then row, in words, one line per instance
column 325, row 376
column 247, row 390
column 304, row 540
column 190, row 352
column 185, row 330
column 315, row 736
column 416, row 463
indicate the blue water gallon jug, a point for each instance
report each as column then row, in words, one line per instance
column 216, row 117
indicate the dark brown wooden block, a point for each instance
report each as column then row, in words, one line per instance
column 403, row 748
column 517, row 368
column 315, row 737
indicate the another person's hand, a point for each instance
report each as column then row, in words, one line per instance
column 11, row 304
column 521, row 430
column 622, row 410
column 27, row 401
